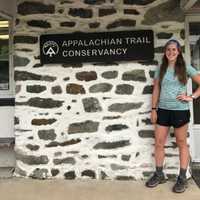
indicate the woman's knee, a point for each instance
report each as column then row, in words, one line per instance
column 159, row 144
column 181, row 143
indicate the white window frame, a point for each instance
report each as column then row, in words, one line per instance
column 10, row 92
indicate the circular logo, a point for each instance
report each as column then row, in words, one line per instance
column 50, row 48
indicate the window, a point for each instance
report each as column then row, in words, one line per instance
column 4, row 54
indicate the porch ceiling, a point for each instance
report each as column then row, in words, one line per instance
column 187, row 4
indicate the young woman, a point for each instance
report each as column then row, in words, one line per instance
column 170, row 107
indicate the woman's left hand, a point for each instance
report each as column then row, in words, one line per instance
column 184, row 97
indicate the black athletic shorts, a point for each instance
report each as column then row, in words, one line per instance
column 175, row 118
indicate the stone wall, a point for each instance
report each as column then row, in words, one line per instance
column 88, row 120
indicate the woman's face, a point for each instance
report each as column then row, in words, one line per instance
column 172, row 52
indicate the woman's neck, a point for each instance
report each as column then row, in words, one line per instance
column 171, row 64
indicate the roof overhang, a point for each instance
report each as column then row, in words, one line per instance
column 187, row 4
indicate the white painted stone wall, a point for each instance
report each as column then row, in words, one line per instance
column 109, row 144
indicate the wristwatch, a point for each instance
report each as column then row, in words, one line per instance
column 193, row 97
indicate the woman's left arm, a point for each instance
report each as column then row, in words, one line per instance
column 195, row 94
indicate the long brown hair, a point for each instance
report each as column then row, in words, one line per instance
column 179, row 68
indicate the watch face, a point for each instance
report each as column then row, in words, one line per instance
column 193, row 96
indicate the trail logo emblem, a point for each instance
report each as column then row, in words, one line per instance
column 50, row 48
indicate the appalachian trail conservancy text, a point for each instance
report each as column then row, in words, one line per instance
column 100, row 47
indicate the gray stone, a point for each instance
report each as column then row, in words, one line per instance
column 43, row 121
column 137, row 154
column 32, row 160
column 164, row 35
column 57, row 154
column 32, row 147
column 41, row 103
column 80, row 12
column 146, row 133
column 66, row 143
column 124, row 89
column 123, row 107
column 68, row 24
column 27, row 50
column 106, row 156
column 68, row 160
column 47, row 134
column 182, row 34
column 147, row 173
column 168, row 11
column 134, row 75
column 159, row 50
column 83, row 127
column 70, row 175
column 94, row 2
column 122, row 23
column 25, row 39
column 66, row 79
column 30, row 8
column 148, row 89
column 101, row 87
column 147, row 121
column 151, row 73
column 131, row 12
column 116, row 127
column 74, row 65
column 73, row 88
column 148, row 62
column 35, row 88
column 39, row 173
column 138, row 2
column 17, row 88
column 126, row 157
column 84, row 156
column 37, row 65
column 86, row 76
column 112, row 145
column 20, row 61
column 94, row 25
column 54, row 172
column 103, row 175
column 116, row 167
column 91, row 105
column 66, row 1
column 24, row 76
column 104, row 64
column 106, row 11
column 110, row 74
column 89, row 173
column 56, row 89
column 61, row 10
column 20, row 171
column 125, row 178
column 39, row 23
column 16, row 120
column 111, row 117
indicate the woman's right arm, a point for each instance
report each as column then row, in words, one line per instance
column 155, row 98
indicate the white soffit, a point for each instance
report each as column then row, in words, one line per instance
column 187, row 4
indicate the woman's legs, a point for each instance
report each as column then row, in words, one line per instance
column 161, row 133
column 160, row 138
column 181, row 140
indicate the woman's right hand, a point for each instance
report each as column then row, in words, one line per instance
column 153, row 116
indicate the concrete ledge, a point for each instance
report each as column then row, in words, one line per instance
column 31, row 189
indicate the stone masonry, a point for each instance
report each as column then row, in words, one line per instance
column 89, row 120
